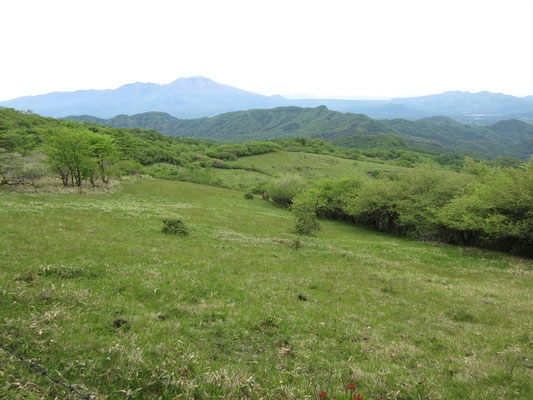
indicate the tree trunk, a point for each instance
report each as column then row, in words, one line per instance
column 64, row 178
column 102, row 172
column 78, row 178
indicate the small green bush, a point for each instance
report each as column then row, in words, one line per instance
column 261, row 189
column 175, row 226
column 248, row 196
column 284, row 189
column 305, row 221
column 304, row 212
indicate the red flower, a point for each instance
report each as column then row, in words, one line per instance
column 322, row 395
column 352, row 387
column 357, row 397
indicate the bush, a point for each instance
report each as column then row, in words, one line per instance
column 175, row 226
column 126, row 167
column 496, row 213
column 304, row 211
column 283, row 190
column 248, row 196
column 332, row 197
column 261, row 189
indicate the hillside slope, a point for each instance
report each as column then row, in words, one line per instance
column 506, row 138
column 241, row 308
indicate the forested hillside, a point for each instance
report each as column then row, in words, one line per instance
column 512, row 138
column 29, row 143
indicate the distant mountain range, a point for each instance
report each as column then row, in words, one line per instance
column 201, row 97
column 508, row 138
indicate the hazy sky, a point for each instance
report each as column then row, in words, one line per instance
column 372, row 48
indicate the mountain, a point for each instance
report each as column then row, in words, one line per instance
column 201, row 97
column 509, row 138
column 482, row 107
column 185, row 97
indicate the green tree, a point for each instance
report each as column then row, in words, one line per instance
column 69, row 154
column 104, row 154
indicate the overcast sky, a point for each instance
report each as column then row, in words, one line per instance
column 378, row 48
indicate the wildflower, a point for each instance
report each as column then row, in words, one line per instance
column 352, row 386
column 322, row 395
column 357, row 397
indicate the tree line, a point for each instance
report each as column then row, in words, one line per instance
column 484, row 206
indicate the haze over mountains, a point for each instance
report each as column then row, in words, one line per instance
column 201, row 97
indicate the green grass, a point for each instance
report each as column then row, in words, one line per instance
column 312, row 166
column 216, row 313
column 251, row 170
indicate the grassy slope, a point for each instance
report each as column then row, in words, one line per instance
column 312, row 167
column 404, row 319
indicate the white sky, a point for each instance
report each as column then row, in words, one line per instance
column 372, row 48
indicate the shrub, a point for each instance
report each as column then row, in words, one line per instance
column 305, row 221
column 175, row 226
column 332, row 197
column 11, row 167
column 376, row 173
column 248, row 196
column 126, row 167
column 283, row 190
column 261, row 189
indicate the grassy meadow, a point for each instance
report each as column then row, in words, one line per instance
column 250, row 170
column 94, row 292
column 313, row 166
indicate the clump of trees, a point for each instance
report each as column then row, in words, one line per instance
column 489, row 207
column 495, row 212
column 78, row 154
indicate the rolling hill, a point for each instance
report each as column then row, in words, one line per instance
column 510, row 138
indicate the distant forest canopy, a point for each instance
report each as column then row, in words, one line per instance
column 197, row 97
column 510, row 138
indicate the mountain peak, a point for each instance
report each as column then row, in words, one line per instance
column 194, row 80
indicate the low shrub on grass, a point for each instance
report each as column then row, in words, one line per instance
column 175, row 226
column 283, row 190
column 248, row 196
column 305, row 220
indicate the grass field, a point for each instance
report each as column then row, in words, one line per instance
column 312, row 166
column 91, row 290
column 255, row 169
